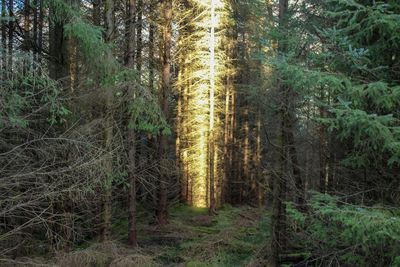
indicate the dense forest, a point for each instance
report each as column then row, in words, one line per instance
column 200, row 133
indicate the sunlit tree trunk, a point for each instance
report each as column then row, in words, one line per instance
column 179, row 131
column 258, row 157
column 231, row 160
column 161, row 212
column 226, row 162
column 186, row 104
column 183, row 85
column 246, row 152
column 233, row 156
column 211, row 137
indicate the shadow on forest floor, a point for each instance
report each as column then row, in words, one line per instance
column 236, row 236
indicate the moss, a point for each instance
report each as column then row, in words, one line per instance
column 233, row 237
column 185, row 211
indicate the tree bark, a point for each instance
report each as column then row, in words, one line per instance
column 131, row 134
column 139, row 38
column 10, row 33
column 211, row 136
column 258, row 174
column 162, row 212
column 152, row 30
column 107, row 202
column 57, row 49
column 227, row 141
column 3, row 65
column 132, row 233
column 279, row 185
column 35, row 28
column 40, row 33
column 27, row 22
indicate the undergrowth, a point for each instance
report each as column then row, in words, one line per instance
column 344, row 234
column 236, row 236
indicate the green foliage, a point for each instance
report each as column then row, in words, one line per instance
column 142, row 106
column 91, row 43
column 346, row 62
column 354, row 235
column 373, row 136
column 93, row 48
column 146, row 116
column 25, row 94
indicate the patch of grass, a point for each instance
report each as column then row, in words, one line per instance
column 185, row 211
column 233, row 238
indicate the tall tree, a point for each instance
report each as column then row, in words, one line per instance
column 109, row 10
column 211, row 133
column 161, row 211
column 40, row 32
column 57, row 46
column 278, row 208
column 10, row 33
column 152, row 31
column 131, row 136
column 3, row 35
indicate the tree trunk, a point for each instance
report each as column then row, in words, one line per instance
column 27, row 23
column 40, row 33
column 300, row 190
column 10, row 34
column 211, row 135
column 35, row 29
column 152, row 29
column 57, row 48
column 162, row 212
column 107, row 203
column 139, row 38
column 322, row 149
column 26, row 44
column 178, row 142
column 246, row 152
column 3, row 65
column 227, row 141
column 258, row 175
column 278, row 210
column 131, row 135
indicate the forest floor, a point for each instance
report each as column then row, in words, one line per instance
column 236, row 236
